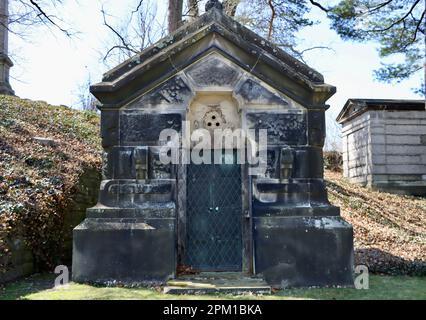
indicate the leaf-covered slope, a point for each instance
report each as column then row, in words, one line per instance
column 390, row 230
column 37, row 180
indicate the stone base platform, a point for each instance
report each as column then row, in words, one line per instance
column 124, row 251
column 217, row 282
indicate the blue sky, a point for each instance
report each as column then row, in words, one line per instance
column 51, row 67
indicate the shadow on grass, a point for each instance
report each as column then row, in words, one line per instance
column 382, row 262
column 33, row 284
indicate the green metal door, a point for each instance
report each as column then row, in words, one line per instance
column 214, row 217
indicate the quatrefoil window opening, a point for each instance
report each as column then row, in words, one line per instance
column 214, row 119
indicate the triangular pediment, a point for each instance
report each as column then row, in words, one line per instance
column 212, row 73
column 213, row 32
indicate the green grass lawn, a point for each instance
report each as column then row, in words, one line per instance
column 40, row 287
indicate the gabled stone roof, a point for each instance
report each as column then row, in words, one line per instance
column 213, row 31
column 355, row 107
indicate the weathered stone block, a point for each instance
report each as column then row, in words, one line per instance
column 124, row 251
column 304, row 251
column 309, row 163
column 282, row 128
column 138, row 128
column 316, row 128
column 109, row 128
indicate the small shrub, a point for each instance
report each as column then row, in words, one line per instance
column 333, row 161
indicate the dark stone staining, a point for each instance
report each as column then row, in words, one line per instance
column 146, row 211
column 136, row 193
column 125, row 164
column 157, row 169
column 129, row 251
column 272, row 164
column 283, row 128
column 109, row 128
column 304, row 251
column 141, row 188
column 252, row 92
column 213, row 72
column 308, row 163
column 107, row 168
column 286, row 163
column 316, row 130
column 145, row 128
column 173, row 91
column 137, row 163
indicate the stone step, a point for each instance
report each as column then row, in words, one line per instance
column 214, row 283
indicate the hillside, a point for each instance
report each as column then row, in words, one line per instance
column 390, row 230
column 38, row 178
column 38, row 181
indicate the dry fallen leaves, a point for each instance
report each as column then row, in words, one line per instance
column 389, row 230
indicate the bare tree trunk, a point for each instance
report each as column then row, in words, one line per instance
column 175, row 14
column 193, row 9
column 231, row 6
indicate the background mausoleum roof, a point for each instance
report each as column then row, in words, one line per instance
column 355, row 107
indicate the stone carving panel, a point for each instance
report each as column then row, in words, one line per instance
column 213, row 72
column 282, row 128
column 174, row 92
column 254, row 93
column 138, row 128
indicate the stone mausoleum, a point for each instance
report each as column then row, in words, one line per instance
column 154, row 221
column 384, row 144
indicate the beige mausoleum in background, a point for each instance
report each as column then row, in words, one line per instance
column 384, row 144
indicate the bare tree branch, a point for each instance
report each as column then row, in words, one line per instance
column 138, row 7
column 399, row 20
column 271, row 20
column 124, row 44
column 49, row 18
column 319, row 5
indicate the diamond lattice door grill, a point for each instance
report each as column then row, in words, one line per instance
column 214, row 217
